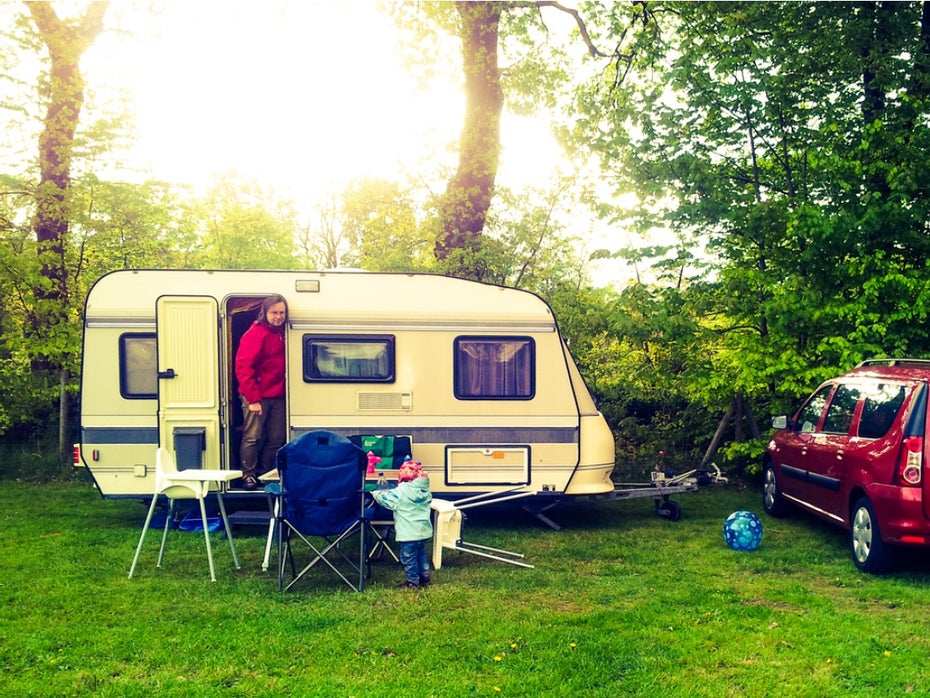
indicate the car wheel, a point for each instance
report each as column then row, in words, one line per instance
column 869, row 551
column 772, row 501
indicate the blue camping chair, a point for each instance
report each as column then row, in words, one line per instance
column 322, row 485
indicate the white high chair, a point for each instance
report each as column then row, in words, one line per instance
column 186, row 484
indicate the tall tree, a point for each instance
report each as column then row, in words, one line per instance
column 467, row 198
column 66, row 41
column 463, row 207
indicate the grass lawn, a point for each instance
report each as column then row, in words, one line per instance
column 620, row 602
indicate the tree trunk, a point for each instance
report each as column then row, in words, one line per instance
column 64, row 418
column 66, row 43
column 753, row 424
column 467, row 198
column 718, row 435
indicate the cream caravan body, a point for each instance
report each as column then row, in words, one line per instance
column 477, row 376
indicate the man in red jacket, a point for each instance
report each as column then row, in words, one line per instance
column 260, row 369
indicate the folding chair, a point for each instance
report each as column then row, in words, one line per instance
column 186, row 484
column 380, row 523
column 392, row 450
column 323, row 507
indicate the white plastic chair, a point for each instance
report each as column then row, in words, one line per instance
column 186, row 484
column 447, row 527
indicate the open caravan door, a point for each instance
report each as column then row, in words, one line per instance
column 188, row 380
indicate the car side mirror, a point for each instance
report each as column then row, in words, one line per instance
column 780, row 422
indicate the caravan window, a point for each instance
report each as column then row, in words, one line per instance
column 138, row 368
column 348, row 358
column 495, row 368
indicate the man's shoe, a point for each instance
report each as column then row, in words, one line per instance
column 249, row 482
column 407, row 585
column 424, row 580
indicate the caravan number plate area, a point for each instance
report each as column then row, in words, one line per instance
column 487, row 465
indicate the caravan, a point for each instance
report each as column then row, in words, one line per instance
column 475, row 376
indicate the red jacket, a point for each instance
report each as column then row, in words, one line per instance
column 260, row 363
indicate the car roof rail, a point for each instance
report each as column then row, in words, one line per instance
column 895, row 362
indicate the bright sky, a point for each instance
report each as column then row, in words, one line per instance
column 301, row 96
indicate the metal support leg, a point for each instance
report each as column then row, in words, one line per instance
column 206, row 537
column 164, row 535
column 145, row 528
column 272, row 528
column 229, row 535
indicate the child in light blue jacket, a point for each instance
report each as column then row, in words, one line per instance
column 413, row 527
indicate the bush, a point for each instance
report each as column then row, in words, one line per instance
column 35, row 459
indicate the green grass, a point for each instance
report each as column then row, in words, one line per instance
column 620, row 602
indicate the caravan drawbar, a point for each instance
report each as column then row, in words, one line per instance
column 476, row 376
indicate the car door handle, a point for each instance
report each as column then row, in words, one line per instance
column 167, row 374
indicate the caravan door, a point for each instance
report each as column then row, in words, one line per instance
column 189, row 426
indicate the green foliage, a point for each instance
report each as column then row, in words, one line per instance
column 526, row 233
column 793, row 181
column 537, row 64
column 35, row 460
column 750, row 451
column 30, row 343
column 646, row 376
column 533, row 59
column 126, row 226
column 381, row 228
column 242, row 225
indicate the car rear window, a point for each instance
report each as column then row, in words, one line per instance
column 882, row 403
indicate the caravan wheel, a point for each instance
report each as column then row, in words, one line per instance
column 669, row 509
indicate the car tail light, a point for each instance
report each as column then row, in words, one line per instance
column 76, row 454
column 911, row 466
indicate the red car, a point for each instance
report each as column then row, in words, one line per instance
column 855, row 454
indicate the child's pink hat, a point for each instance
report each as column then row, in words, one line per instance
column 410, row 470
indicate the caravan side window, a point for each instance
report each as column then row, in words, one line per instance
column 138, row 368
column 494, row 368
column 348, row 358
